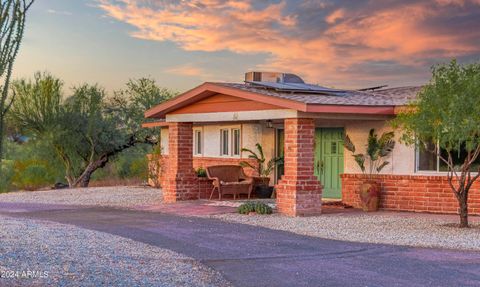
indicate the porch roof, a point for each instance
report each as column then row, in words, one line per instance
column 381, row 102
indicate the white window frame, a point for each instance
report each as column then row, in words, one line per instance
column 428, row 172
column 417, row 163
column 224, row 140
column 234, row 144
column 197, row 146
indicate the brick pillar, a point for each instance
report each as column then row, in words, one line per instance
column 299, row 192
column 180, row 181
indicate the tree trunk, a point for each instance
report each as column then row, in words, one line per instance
column 463, row 203
column 84, row 179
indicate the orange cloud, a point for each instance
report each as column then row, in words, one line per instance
column 330, row 50
column 335, row 16
column 186, row 70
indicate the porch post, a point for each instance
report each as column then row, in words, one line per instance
column 299, row 192
column 180, row 182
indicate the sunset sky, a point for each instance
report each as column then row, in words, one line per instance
column 345, row 44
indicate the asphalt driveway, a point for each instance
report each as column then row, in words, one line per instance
column 255, row 256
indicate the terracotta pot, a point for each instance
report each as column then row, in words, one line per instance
column 370, row 196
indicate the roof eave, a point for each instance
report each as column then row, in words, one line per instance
column 208, row 89
column 351, row 109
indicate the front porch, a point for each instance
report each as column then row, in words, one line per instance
column 297, row 182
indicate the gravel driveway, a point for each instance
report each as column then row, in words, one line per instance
column 409, row 229
column 116, row 196
column 65, row 255
column 248, row 255
column 99, row 237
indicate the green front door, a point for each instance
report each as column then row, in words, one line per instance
column 329, row 160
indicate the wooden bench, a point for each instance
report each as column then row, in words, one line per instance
column 229, row 179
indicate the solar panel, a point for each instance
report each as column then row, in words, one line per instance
column 298, row 87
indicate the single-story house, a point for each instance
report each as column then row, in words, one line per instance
column 210, row 124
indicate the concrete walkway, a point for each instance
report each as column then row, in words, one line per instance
column 255, row 256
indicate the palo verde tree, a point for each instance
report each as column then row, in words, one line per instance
column 12, row 26
column 445, row 121
column 87, row 129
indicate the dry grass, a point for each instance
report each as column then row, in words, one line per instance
column 117, row 182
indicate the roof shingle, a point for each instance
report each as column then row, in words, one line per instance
column 384, row 97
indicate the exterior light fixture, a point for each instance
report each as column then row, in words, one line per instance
column 269, row 124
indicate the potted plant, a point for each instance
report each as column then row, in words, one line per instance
column 263, row 169
column 376, row 151
column 201, row 172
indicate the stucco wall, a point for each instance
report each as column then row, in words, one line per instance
column 251, row 134
column 402, row 159
column 164, row 140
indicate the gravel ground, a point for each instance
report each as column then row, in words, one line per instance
column 117, row 196
column 422, row 230
column 76, row 257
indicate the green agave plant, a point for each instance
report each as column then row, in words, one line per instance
column 263, row 168
column 377, row 150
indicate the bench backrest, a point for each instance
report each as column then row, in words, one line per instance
column 226, row 173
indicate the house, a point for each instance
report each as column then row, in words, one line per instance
column 208, row 125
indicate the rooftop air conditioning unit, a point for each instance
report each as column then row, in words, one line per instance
column 273, row 77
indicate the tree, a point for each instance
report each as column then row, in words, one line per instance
column 445, row 120
column 86, row 129
column 12, row 26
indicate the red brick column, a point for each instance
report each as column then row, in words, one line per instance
column 299, row 192
column 180, row 181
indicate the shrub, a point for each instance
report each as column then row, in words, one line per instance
column 246, row 208
column 132, row 163
column 7, row 174
column 139, row 168
column 258, row 207
column 262, row 208
column 155, row 167
column 32, row 175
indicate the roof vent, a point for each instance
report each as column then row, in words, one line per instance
column 273, row 77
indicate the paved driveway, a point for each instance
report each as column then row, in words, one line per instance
column 253, row 256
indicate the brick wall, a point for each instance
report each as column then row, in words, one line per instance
column 411, row 193
column 299, row 192
column 179, row 182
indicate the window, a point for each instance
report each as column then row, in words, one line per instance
column 224, row 140
column 333, row 148
column 198, row 142
column 428, row 161
column 235, row 141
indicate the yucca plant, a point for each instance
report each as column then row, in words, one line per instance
column 263, row 168
column 377, row 150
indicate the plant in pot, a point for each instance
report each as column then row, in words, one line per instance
column 201, row 172
column 377, row 149
column 263, row 168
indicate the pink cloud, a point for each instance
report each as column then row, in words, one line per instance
column 187, row 70
column 346, row 38
column 335, row 16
